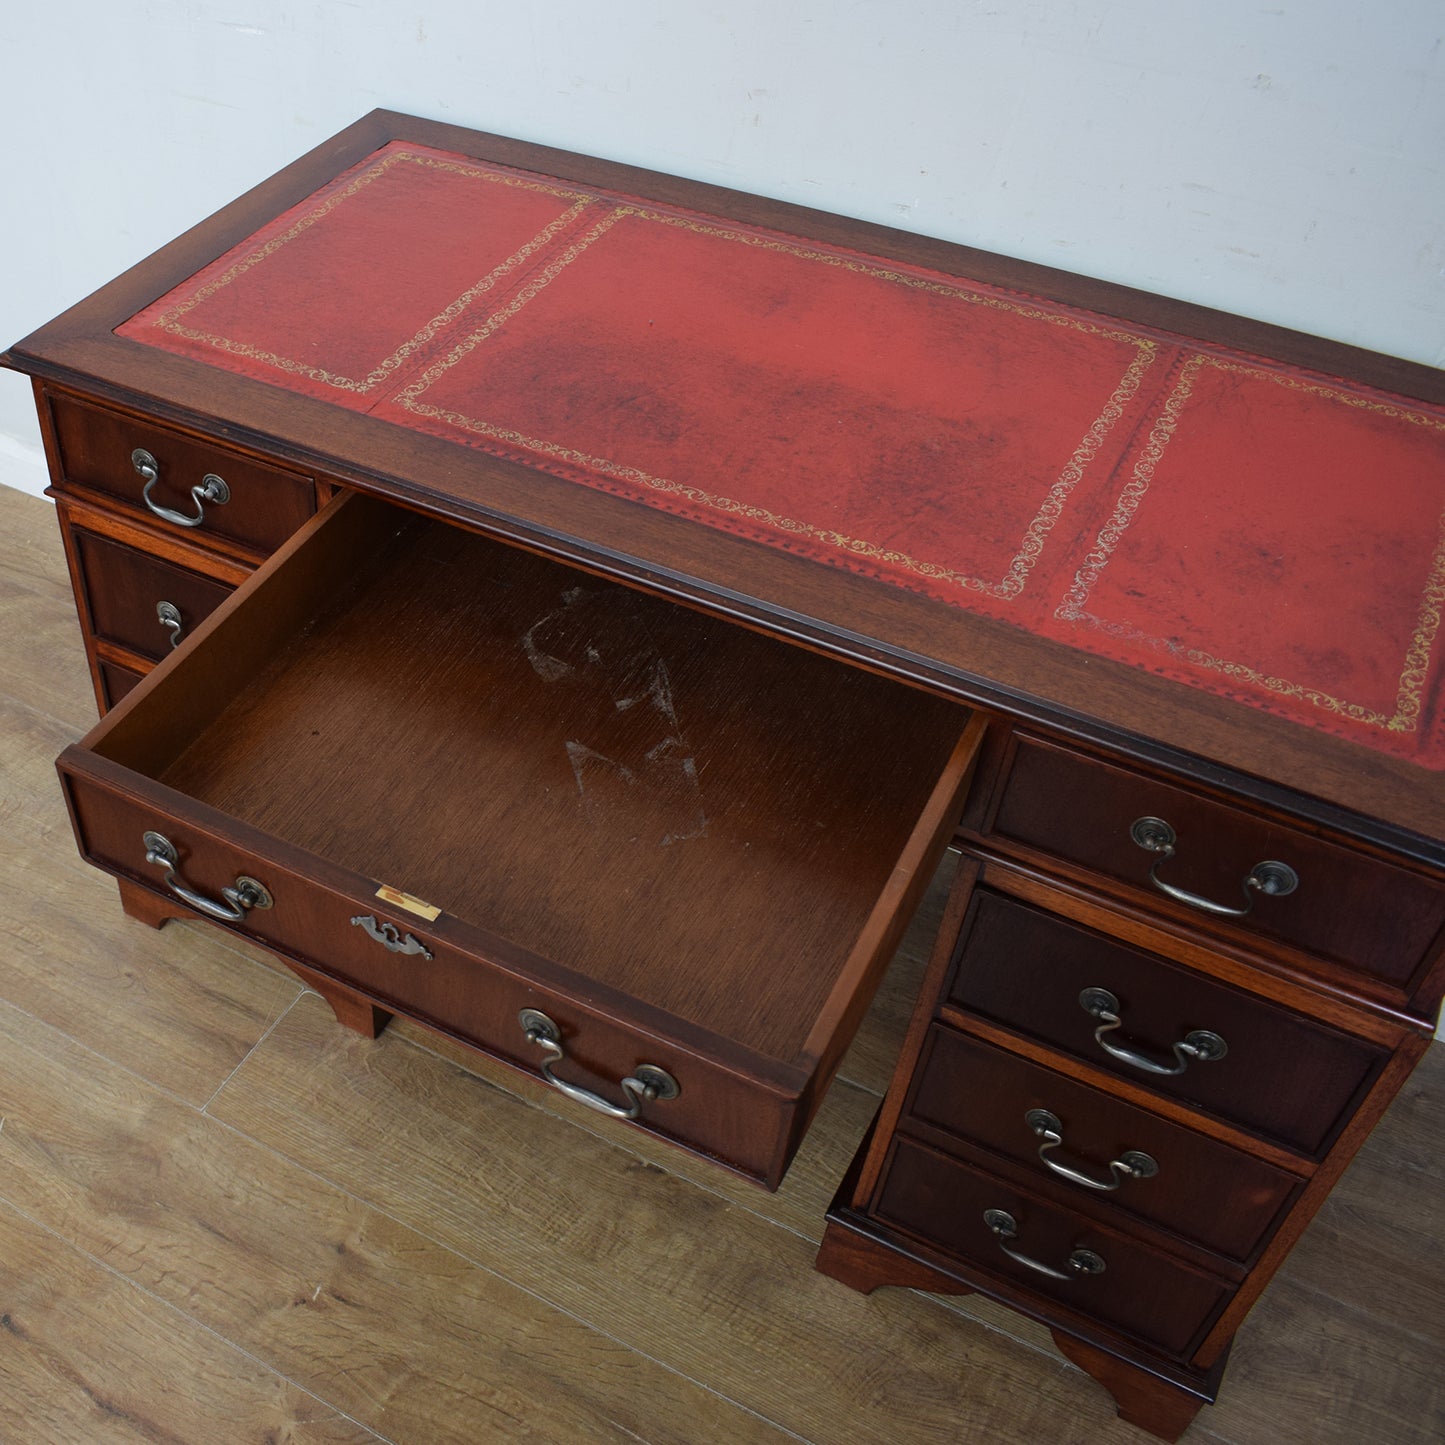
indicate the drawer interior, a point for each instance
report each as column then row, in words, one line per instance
column 667, row 804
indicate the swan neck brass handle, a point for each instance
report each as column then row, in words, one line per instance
column 642, row 1087
column 237, row 900
column 1271, row 878
column 1079, row 1263
column 211, row 490
column 1131, row 1164
column 1199, row 1046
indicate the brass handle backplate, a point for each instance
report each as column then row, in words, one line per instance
column 646, row 1084
column 1271, row 878
column 1079, row 1263
column 1199, row 1046
column 1131, row 1164
column 243, row 895
column 210, row 490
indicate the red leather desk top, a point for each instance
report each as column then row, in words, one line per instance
column 1261, row 532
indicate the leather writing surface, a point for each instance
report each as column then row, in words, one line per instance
column 1280, row 535
column 339, row 295
column 1253, row 530
column 802, row 397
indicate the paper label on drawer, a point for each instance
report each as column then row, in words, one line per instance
column 398, row 899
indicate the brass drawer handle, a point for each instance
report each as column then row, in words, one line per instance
column 210, row 488
column 169, row 616
column 245, row 893
column 389, row 936
column 1080, row 1261
column 1131, row 1164
column 1272, row 878
column 647, row 1084
column 1200, row 1046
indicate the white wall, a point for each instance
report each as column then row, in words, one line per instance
column 1285, row 160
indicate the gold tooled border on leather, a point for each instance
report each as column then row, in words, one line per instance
column 1410, row 694
column 171, row 321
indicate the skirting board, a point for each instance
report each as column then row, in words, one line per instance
column 22, row 466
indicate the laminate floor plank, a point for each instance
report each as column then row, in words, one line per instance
column 41, row 660
column 799, row 1205
column 460, row 1253
column 32, row 535
column 1408, row 1137
column 34, row 557
column 32, row 804
column 87, row 1358
column 381, row 1322
column 682, row 1276
column 1308, row 1370
column 40, row 645
column 1364, row 1247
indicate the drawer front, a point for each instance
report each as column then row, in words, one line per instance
column 115, row 682
column 1282, row 1075
column 1217, row 1196
column 1138, row 1290
column 266, row 504
column 125, row 590
column 1348, row 906
column 719, row 1111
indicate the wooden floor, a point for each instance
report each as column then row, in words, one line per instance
column 223, row 1218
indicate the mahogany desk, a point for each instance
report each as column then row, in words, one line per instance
column 601, row 598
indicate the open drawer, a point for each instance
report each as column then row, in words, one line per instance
column 690, row 847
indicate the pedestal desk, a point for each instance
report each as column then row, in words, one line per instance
column 576, row 607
